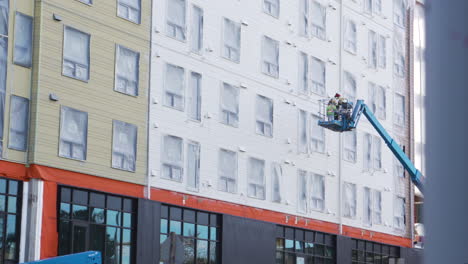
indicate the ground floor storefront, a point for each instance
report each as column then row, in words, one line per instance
column 45, row 212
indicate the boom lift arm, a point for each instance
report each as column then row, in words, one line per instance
column 348, row 123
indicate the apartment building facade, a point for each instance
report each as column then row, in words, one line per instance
column 125, row 122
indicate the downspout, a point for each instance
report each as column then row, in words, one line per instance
column 147, row 194
column 340, row 144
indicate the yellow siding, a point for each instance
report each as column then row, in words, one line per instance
column 97, row 96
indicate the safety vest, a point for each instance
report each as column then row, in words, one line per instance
column 331, row 109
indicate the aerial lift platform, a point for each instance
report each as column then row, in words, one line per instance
column 345, row 121
column 88, row 257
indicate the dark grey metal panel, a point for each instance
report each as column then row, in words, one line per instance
column 412, row 255
column 445, row 194
column 148, row 231
column 247, row 241
column 344, row 249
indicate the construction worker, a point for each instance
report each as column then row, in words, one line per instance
column 331, row 109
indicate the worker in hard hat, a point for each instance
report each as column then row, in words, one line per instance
column 331, row 109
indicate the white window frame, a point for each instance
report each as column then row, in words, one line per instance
column 350, row 86
column 378, row 100
column 399, row 220
column 72, row 144
column 373, row 150
column 303, row 73
column 399, row 13
column 304, row 18
column 262, row 124
column 398, row 169
column 350, row 37
column 196, row 173
column 303, row 132
column 124, row 157
column 382, row 52
column 317, row 30
column 399, row 118
column 348, row 152
column 197, row 29
column 270, row 67
column 269, row 7
column 317, row 86
column 128, row 8
column 302, row 191
column 71, row 60
column 317, row 200
column 226, row 178
column 372, row 207
column 316, row 140
column 228, row 48
column 227, row 112
column 257, row 185
column 276, row 182
column 194, row 98
column 16, row 59
column 173, row 27
column 15, row 133
column 118, row 48
column 172, row 94
column 349, row 200
column 172, row 164
column 373, row 49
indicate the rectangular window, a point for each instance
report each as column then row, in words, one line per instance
column 73, row 133
column 398, row 169
column 19, row 120
column 97, row 221
column 350, row 86
column 368, row 252
column 10, row 219
column 372, row 152
column 317, row 135
column 377, row 100
column 175, row 19
column 368, row 6
column 127, row 64
column 232, row 40
column 399, row 111
column 124, row 146
column 172, row 158
column 174, row 87
column 399, row 63
column 298, row 246
column 318, row 69
column 350, row 146
column 277, row 182
column 194, row 96
column 129, row 9
column 3, row 75
column 377, row 7
column 303, row 135
column 372, row 207
column 368, row 152
column 303, row 86
column 197, row 233
column 399, row 213
column 76, row 54
column 319, row 20
column 350, row 36
column 349, row 197
column 197, row 29
column 304, row 18
column 382, row 52
column 264, row 116
column 399, row 12
column 372, row 49
column 4, row 17
column 317, row 189
column 272, row 7
column 270, row 57
column 256, row 179
column 229, row 105
column 302, row 187
column 22, row 55
column 193, row 165
column 377, row 148
column 227, row 171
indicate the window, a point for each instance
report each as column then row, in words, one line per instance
column 349, row 89
column 73, row 133
column 382, row 52
column 4, row 16
column 317, row 135
column 174, row 87
column 22, row 54
column 199, row 233
column 126, row 71
column 303, row 86
column 172, row 164
column 124, row 145
column 398, row 169
column 277, row 182
column 76, row 54
column 194, row 96
column 372, row 49
column 10, row 218
column 304, row 18
column 317, row 68
column 270, row 57
column 197, row 29
column 350, row 36
column 303, row 138
column 377, row 100
column 19, row 120
column 319, row 20
column 399, row 12
column 193, row 165
column 317, row 192
column 302, row 187
column 229, row 105
column 227, row 171
column 372, row 207
column 175, row 19
column 3, row 75
column 366, row 252
column 373, row 7
column 399, row 111
column 350, row 146
column 372, row 152
column 272, row 7
column 368, row 6
column 232, row 40
column 349, row 197
column 264, row 116
column 399, row 64
column 304, row 246
column 399, row 213
column 96, row 221
column 256, row 179
column 129, row 9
